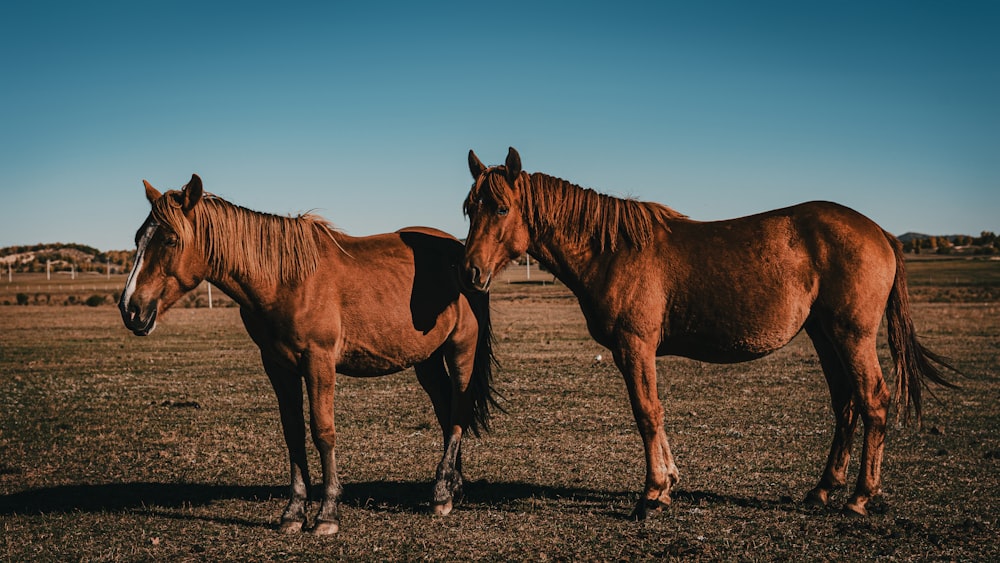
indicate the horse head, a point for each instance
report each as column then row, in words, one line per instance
column 498, row 230
column 167, row 263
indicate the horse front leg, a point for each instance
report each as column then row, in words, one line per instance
column 319, row 372
column 637, row 362
column 288, row 389
column 448, row 479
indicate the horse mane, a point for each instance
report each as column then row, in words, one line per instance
column 582, row 214
column 250, row 244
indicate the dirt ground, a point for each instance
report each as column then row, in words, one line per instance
column 114, row 447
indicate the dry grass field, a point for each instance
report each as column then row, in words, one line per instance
column 114, row 447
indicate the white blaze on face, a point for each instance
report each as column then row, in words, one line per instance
column 140, row 251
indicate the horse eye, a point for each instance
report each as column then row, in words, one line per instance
column 171, row 240
column 502, row 211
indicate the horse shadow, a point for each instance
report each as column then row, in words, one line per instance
column 385, row 496
column 159, row 498
column 397, row 496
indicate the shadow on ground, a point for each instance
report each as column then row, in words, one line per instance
column 391, row 496
column 111, row 497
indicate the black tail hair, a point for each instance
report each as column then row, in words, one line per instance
column 915, row 364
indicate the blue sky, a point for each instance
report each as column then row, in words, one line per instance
column 364, row 111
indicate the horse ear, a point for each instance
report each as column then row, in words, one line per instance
column 513, row 165
column 475, row 165
column 192, row 193
column 152, row 194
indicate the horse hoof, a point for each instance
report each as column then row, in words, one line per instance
column 325, row 528
column 646, row 508
column 443, row 509
column 854, row 509
column 816, row 499
column 290, row 526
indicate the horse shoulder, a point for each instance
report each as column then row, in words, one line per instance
column 628, row 297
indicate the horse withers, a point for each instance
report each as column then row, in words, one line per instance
column 653, row 282
column 318, row 302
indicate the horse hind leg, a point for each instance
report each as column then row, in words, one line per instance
column 835, row 473
column 433, row 377
column 872, row 402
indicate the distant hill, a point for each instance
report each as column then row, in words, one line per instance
column 64, row 256
column 910, row 237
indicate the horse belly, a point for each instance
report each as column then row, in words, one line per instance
column 719, row 350
column 737, row 334
column 389, row 352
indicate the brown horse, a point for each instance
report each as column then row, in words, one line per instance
column 318, row 302
column 652, row 282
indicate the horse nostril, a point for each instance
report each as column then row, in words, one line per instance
column 133, row 312
column 474, row 273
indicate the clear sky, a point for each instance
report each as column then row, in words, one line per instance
column 364, row 111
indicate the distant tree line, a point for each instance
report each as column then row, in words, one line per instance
column 62, row 257
column 986, row 243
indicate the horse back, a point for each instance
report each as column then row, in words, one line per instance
column 796, row 246
column 739, row 289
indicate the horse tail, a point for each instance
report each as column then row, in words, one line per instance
column 484, row 395
column 915, row 364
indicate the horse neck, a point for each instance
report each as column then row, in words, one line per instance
column 572, row 263
column 573, row 260
column 244, row 290
column 246, row 293
column 247, row 284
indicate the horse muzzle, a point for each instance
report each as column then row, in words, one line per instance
column 477, row 280
column 140, row 324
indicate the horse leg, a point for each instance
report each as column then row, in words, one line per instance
column 319, row 370
column 835, row 474
column 637, row 362
column 288, row 388
column 448, row 480
column 872, row 399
